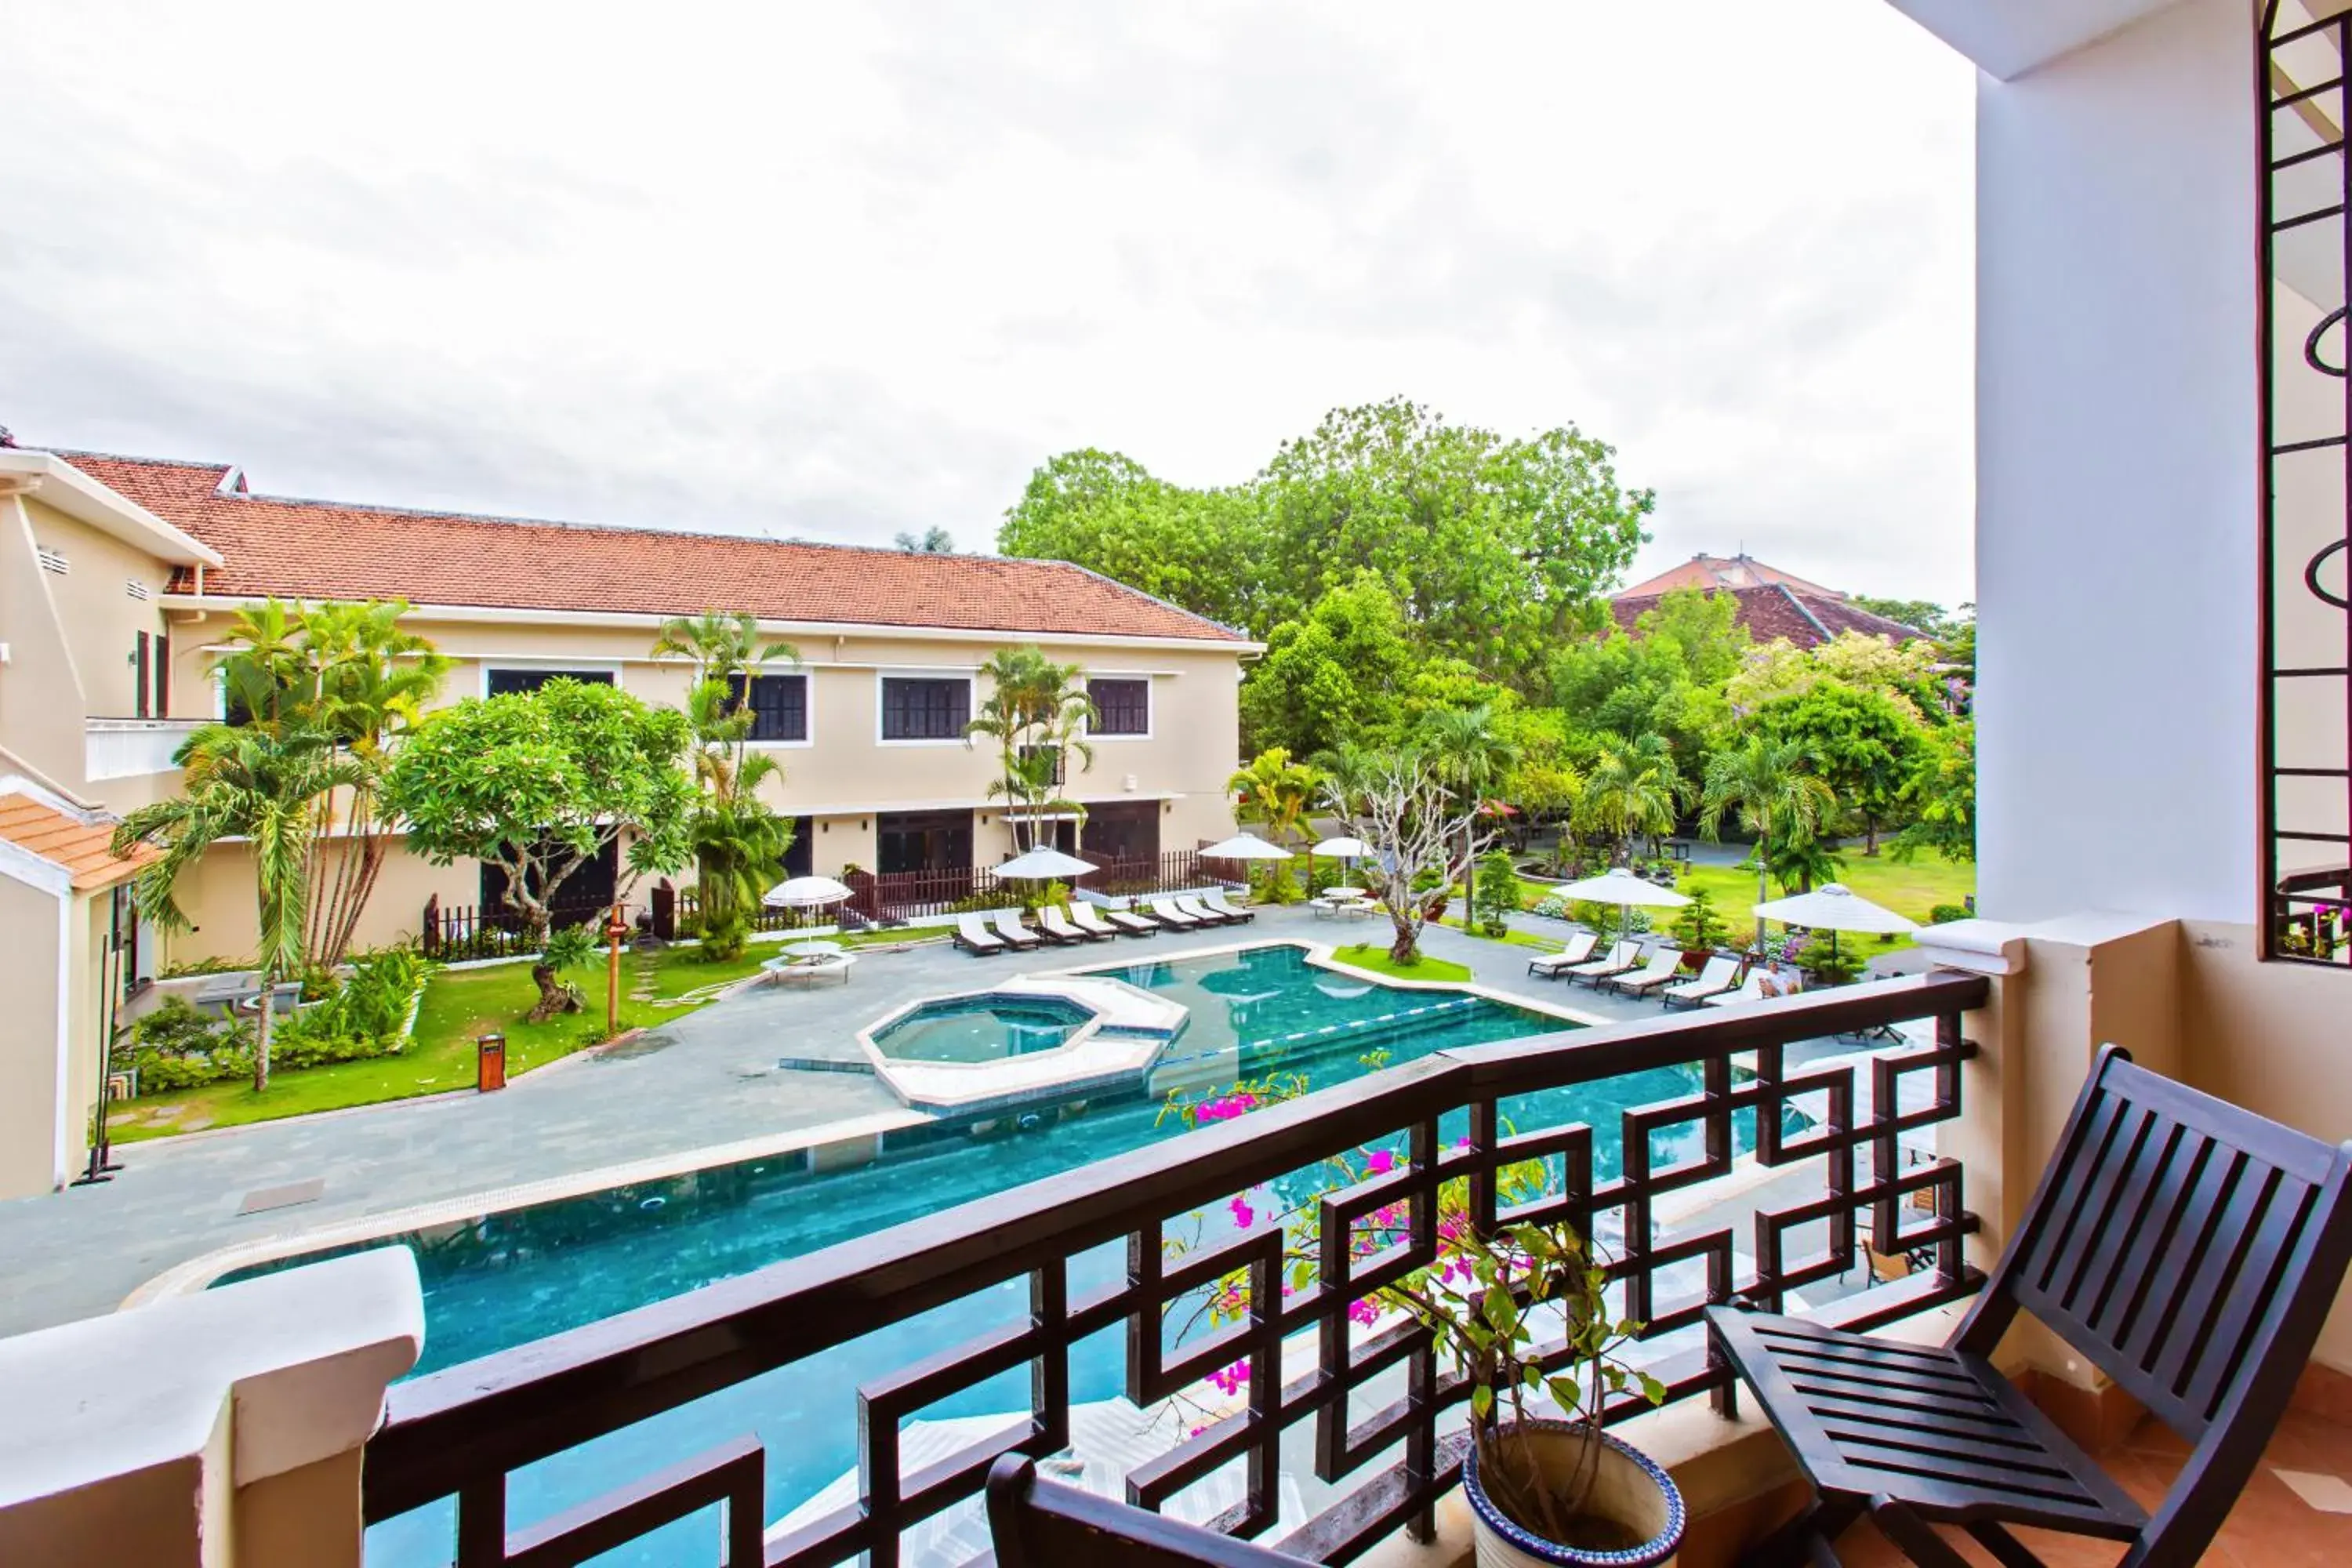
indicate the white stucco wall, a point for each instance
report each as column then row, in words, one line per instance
column 2117, row 474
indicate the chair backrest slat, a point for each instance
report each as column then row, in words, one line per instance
column 1036, row 1523
column 2172, row 1236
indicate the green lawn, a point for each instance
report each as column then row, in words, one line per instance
column 1376, row 959
column 459, row 1005
column 1911, row 890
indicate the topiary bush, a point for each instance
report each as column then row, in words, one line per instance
column 1498, row 893
column 1944, row 914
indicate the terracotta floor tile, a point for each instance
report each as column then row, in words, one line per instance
column 2271, row 1527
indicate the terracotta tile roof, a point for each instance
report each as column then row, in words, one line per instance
column 1777, row 610
column 62, row 839
column 317, row 550
column 1742, row 571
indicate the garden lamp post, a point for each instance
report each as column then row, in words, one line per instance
column 614, row 931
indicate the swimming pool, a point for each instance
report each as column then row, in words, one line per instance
column 980, row 1028
column 501, row 1279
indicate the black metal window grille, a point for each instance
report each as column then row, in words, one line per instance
column 778, row 706
column 2304, row 700
column 462, row 1432
column 915, row 709
column 512, row 682
column 1122, row 706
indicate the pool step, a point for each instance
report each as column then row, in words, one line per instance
column 825, row 1064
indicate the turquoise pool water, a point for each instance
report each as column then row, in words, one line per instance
column 502, row 1280
column 980, row 1028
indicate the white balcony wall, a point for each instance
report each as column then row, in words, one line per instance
column 2117, row 474
column 132, row 747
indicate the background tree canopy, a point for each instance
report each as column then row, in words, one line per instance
column 1488, row 552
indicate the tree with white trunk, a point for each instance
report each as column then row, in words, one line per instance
column 1400, row 804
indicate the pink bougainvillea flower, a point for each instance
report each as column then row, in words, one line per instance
column 1232, row 1379
column 1244, row 1215
column 1380, row 1163
column 1364, row 1311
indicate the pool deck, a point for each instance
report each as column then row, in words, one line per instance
column 709, row 1079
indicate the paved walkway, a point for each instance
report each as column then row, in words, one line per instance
column 709, row 1079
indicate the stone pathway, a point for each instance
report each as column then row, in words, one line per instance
column 707, row 1079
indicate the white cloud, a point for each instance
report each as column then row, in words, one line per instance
column 841, row 271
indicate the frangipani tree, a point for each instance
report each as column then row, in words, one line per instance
column 1400, row 806
column 540, row 784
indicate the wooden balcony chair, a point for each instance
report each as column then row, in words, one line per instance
column 1035, row 1523
column 2188, row 1248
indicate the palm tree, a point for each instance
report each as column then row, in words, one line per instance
column 1629, row 792
column 1470, row 756
column 1768, row 785
column 739, row 839
column 261, row 785
column 1278, row 791
column 349, row 672
column 1036, row 713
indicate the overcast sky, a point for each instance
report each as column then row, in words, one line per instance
column 834, row 272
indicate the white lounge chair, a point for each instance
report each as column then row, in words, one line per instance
column 1214, row 902
column 1167, row 914
column 1719, row 976
column 1758, row 986
column 1088, row 917
column 1009, row 927
column 1666, row 963
column 976, row 938
column 1621, row 957
column 1577, row 951
column 1134, row 922
column 1201, row 911
column 1058, row 927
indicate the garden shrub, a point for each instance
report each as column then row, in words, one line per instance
column 1552, row 907
column 175, row 1047
column 1944, row 914
column 1498, row 892
column 1608, row 919
column 1698, row 927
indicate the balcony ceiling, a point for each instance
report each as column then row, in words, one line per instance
column 2009, row 37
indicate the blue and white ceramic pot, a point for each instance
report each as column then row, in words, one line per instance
column 1628, row 1489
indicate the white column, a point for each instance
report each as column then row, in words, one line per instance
column 2117, row 474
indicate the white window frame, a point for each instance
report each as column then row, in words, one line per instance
column 557, row 666
column 970, row 678
column 1151, row 703
column 808, row 708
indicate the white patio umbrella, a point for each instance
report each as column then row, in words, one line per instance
column 1621, row 886
column 1044, row 864
column 805, row 893
column 1834, row 907
column 1346, row 851
column 1247, row 847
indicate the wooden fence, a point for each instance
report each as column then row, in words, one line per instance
column 453, row 933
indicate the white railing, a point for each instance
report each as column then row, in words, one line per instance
column 127, row 748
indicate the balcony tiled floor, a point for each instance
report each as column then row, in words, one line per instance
column 2274, row 1525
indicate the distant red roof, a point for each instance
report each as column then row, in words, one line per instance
column 1741, row 571
column 1777, row 610
column 326, row 550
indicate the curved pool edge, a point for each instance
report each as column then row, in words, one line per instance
column 198, row 1273
column 1323, row 955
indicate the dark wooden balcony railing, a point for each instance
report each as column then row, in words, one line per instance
column 463, row 1431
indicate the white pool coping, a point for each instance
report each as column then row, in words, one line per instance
column 199, row 1272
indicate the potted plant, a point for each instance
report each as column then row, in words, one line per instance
column 1523, row 1313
